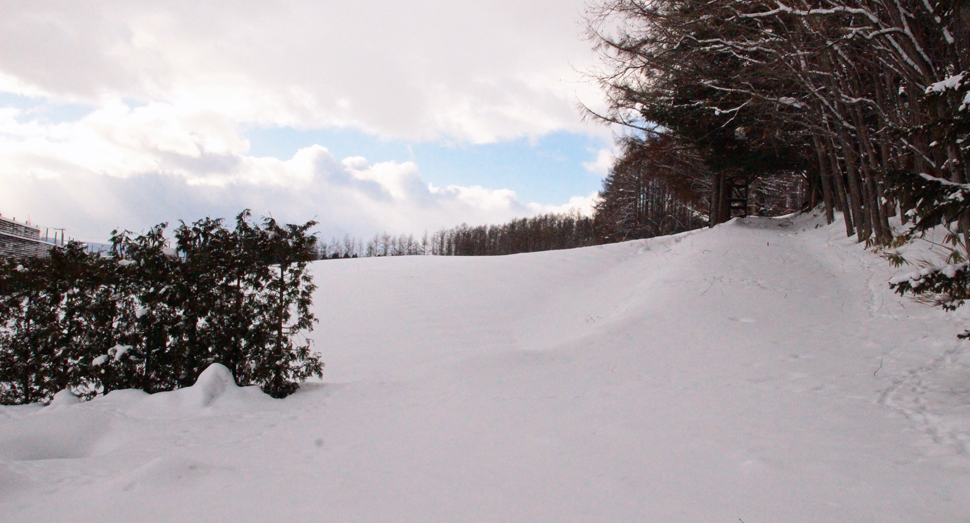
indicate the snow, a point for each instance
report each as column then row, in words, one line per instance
column 64, row 398
column 794, row 102
column 949, row 270
column 761, row 371
column 119, row 350
column 950, row 82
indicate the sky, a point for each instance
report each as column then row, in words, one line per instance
column 398, row 116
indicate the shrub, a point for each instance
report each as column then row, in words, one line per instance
column 144, row 316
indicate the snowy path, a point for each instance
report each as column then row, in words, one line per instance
column 760, row 371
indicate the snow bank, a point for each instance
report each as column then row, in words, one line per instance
column 64, row 398
column 214, row 392
column 68, row 429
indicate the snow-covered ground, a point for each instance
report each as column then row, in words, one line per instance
column 761, row 371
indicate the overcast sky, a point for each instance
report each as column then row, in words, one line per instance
column 401, row 115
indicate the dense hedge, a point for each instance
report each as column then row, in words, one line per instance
column 148, row 317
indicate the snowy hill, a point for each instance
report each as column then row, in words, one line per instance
column 759, row 371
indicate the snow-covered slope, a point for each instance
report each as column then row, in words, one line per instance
column 760, row 371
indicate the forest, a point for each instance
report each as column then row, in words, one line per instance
column 866, row 102
column 862, row 99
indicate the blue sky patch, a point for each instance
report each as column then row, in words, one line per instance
column 548, row 170
column 42, row 110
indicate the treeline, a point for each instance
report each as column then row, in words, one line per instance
column 148, row 317
column 853, row 96
column 638, row 200
column 382, row 244
column 539, row 233
column 650, row 191
column 619, row 216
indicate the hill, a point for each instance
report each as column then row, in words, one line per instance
column 761, row 371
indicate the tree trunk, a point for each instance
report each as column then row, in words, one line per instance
column 863, row 228
column 825, row 180
column 843, row 197
column 717, row 189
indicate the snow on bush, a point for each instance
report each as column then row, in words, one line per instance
column 143, row 318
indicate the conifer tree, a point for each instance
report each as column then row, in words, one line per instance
column 282, row 360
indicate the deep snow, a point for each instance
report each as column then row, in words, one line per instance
column 759, row 371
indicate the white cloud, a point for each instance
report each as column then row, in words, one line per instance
column 132, row 168
column 602, row 164
column 419, row 69
column 170, row 83
column 583, row 205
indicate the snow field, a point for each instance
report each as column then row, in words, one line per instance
column 760, row 371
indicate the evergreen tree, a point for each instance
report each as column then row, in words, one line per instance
column 141, row 301
column 282, row 360
column 39, row 299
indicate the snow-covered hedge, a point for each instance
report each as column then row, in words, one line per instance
column 151, row 318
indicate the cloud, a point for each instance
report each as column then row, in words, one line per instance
column 122, row 167
column 139, row 107
column 583, row 205
column 473, row 72
column 602, row 164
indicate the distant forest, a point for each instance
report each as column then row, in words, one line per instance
column 645, row 194
column 634, row 204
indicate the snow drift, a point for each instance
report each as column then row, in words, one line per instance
column 760, row 371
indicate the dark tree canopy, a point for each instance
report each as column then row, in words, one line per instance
column 842, row 92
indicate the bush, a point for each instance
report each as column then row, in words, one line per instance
column 144, row 316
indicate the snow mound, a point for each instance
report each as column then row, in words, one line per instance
column 68, row 430
column 215, row 391
column 211, row 385
column 64, row 398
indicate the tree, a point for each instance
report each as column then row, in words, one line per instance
column 33, row 365
column 284, row 314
